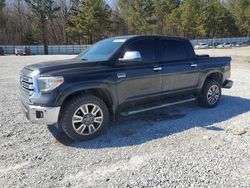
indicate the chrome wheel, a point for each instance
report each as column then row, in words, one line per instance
column 87, row 119
column 213, row 94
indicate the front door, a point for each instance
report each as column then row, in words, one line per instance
column 139, row 80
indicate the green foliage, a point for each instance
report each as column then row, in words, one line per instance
column 2, row 19
column 87, row 21
column 241, row 13
column 191, row 12
column 216, row 20
column 90, row 20
column 162, row 11
column 118, row 25
column 138, row 15
column 173, row 23
column 43, row 10
column 190, row 18
column 29, row 38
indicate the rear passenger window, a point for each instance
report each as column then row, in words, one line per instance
column 146, row 47
column 173, row 50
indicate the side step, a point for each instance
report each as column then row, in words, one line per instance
column 157, row 107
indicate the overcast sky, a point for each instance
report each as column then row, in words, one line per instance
column 111, row 3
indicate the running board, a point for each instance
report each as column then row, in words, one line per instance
column 156, row 107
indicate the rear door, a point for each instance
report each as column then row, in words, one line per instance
column 180, row 71
column 142, row 79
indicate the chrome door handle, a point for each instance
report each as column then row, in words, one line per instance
column 193, row 65
column 157, row 68
column 121, row 75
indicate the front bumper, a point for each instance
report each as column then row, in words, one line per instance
column 227, row 84
column 41, row 115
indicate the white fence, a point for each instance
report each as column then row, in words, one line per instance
column 76, row 49
column 236, row 40
column 53, row 49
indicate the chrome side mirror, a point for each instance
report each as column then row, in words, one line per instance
column 131, row 56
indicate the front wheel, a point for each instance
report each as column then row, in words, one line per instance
column 210, row 94
column 84, row 117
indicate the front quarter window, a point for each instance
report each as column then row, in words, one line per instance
column 102, row 50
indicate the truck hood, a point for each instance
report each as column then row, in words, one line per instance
column 62, row 65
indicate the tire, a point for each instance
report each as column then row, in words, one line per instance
column 210, row 94
column 80, row 117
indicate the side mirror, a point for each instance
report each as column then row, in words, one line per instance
column 131, row 56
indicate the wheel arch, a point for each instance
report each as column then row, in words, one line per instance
column 217, row 76
column 214, row 75
column 101, row 92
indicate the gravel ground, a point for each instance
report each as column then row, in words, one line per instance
column 181, row 146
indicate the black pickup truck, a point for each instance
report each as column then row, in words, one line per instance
column 120, row 76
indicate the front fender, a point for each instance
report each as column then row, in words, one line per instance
column 70, row 89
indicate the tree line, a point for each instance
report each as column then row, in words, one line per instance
column 87, row 21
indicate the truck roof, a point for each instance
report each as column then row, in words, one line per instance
column 148, row 36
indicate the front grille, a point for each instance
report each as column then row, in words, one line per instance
column 26, row 83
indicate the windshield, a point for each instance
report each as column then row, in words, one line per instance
column 102, row 50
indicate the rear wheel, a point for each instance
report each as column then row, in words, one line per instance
column 210, row 94
column 84, row 117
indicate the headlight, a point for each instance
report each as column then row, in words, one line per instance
column 46, row 84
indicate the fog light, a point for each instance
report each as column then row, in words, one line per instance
column 39, row 114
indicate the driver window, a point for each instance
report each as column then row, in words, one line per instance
column 146, row 47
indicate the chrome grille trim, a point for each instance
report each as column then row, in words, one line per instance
column 29, row 91
column 26, row 79
column 26, row 83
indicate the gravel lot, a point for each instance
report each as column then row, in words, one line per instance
column 179, row 146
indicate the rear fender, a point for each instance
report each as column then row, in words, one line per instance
column 204, row 76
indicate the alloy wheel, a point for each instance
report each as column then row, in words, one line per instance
column 213, row 94
column 87, row 119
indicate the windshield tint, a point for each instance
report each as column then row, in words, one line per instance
column 102, row 50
